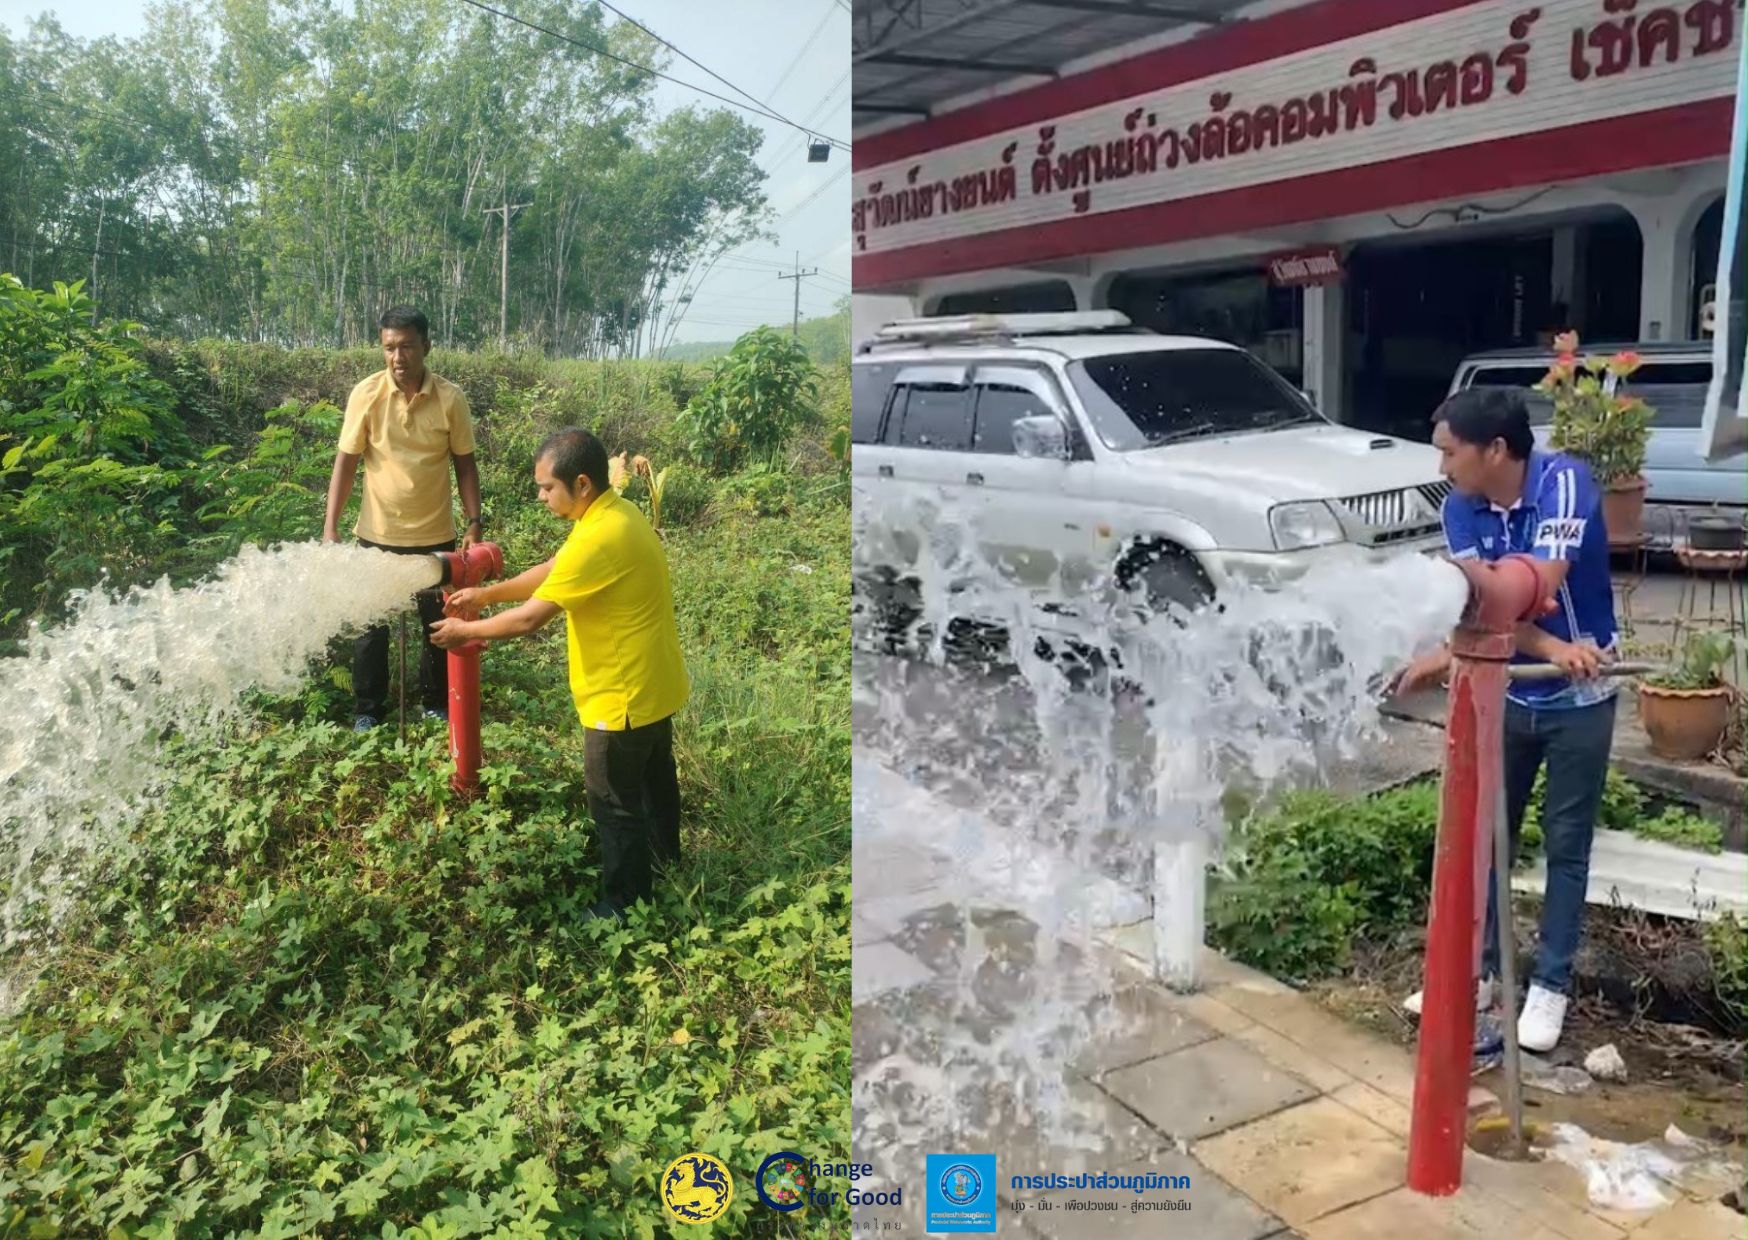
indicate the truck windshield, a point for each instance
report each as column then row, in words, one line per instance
column 1144, row 400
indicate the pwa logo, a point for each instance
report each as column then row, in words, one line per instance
column 961, row 1193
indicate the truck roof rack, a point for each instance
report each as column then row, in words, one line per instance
column 985, row 328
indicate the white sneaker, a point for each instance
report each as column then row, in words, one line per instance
column 1483, row 997
column 1544, row 1014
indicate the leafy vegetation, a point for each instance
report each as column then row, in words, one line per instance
column 1306, row 879
column 755, row 399
column 1703, row 659
column 1311, row 879
column 324, row 995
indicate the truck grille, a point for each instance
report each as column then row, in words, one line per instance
column 1384, row 517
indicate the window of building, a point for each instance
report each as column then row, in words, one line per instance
column 1044, row 297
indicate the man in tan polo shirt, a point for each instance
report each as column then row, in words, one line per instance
column 405, row 425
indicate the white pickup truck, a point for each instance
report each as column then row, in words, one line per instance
column 1093, row 457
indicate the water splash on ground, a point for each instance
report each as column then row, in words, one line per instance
column 1051, row 799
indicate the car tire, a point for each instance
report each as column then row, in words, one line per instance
column 1170, row 578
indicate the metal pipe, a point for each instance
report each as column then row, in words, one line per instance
column 463, row 570
column 1505, row 928
column 1502, row 594
column 1548, row 671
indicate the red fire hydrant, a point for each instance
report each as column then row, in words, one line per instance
column 1501, row 595
column 462, row 570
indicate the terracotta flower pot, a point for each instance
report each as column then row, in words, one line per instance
column 1623, row 510
column 1684, row 724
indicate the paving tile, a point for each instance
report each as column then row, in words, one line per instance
column 1205, row 1088
column 1217, row 1211
column 1289, row 1056
column 1375, row 1105
column 1143, row 1023
column 1556, row 1180
column 880, row 968
column 1094, row 1133
column 1532, row 1190
column 1693, row 1220
column 1213, row 1013
column 1378, row 1063
column 1467, row 1215
column 1308, row 1161
column 865, row 930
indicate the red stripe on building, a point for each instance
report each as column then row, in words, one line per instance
column 1219, row 51
column 1663, row 138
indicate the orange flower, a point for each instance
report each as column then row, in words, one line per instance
column 1566, row 342
column 640, row 466
column 1567, row 361
column 1624, row 364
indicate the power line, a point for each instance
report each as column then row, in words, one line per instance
column 632, row 64
column 623, row 16
column 796, row 59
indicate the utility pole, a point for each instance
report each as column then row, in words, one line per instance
column 504, row 210
column 795, row 323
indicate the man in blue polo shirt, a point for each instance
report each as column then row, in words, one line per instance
column 1511, row 498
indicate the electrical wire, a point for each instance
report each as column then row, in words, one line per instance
column 623, row 16
column 632, row 64
column 796, row 59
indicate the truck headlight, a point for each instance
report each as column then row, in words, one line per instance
column 1308, row 523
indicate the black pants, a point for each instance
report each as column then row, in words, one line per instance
column 634, row 798
column 370, row 655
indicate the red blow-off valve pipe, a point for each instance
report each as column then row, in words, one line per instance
column 463, row 570
column 1502, row 595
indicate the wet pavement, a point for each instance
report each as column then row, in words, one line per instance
column 993, row 1013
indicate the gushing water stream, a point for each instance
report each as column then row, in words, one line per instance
column 84, row 710
column 1005, row 824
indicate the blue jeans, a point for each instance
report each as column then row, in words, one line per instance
column 1575, row 745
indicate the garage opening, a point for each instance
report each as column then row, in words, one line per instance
column 1044, row 297
column 1417, row 310
column 1241, row 307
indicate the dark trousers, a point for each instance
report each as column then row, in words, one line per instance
column 1575, row 745
column 370, row 655
column 634, row 798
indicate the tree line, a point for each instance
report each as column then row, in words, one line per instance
column 281, row 170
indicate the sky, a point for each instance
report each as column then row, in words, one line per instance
column 793, row 55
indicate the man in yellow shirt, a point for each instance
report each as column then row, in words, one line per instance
column 627, row 675
column 405, row 425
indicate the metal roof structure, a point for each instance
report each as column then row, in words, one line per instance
column 911, row 56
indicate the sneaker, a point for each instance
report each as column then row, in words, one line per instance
column 1483, row 997
column 1544, row 1015
column 364, row 723
column 1489, row 1050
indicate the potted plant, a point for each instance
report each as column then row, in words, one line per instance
column 1686, row 711
column 1595, row 420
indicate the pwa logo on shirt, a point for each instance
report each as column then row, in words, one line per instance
column 1566, row 531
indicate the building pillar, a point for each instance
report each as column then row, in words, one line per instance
column 1567, row 286
column 1664, row 276
column 1325, row 348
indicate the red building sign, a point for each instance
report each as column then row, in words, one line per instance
column 1302, row 267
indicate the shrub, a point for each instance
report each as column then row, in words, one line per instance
column 756, row 398
column 1305, row 879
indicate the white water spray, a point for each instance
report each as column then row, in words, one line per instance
column 84, row 710
column 1094, row 795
